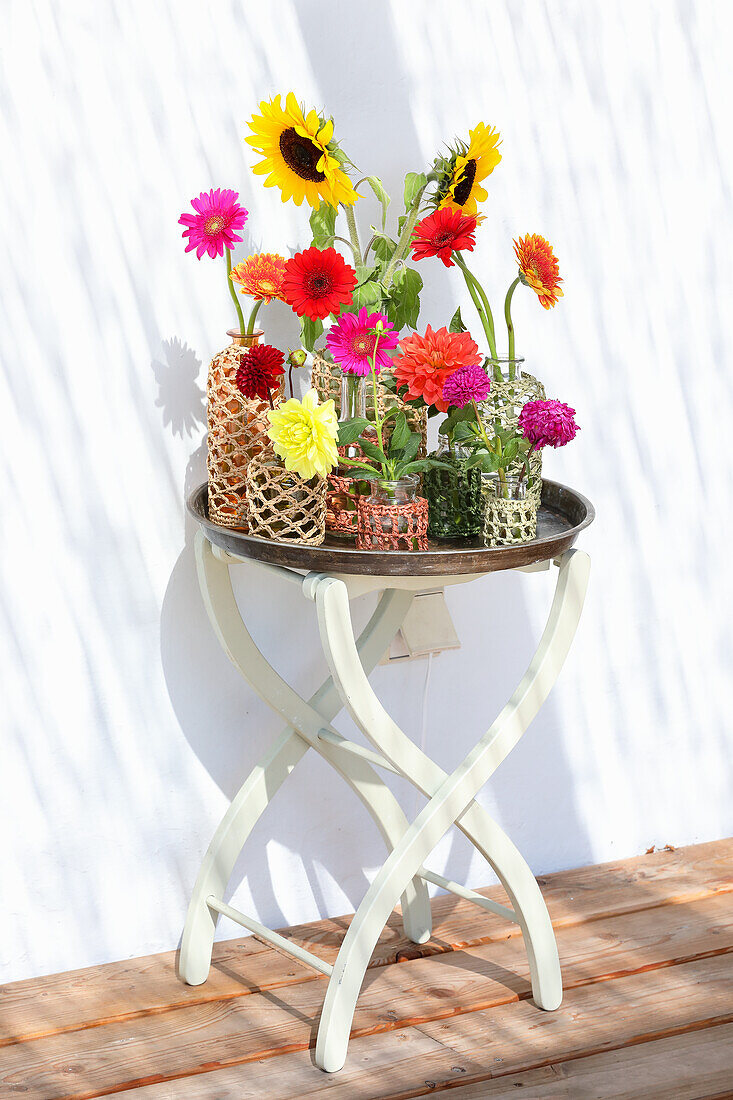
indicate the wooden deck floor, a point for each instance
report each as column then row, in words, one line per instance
column 647, row 954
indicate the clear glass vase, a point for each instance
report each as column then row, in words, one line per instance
column 454, row 496
column 353, row 404
column 503, row 369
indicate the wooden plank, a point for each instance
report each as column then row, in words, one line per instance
column 125, row 990
column 194, row 1038
column 501, row 1049
column 685, row 1067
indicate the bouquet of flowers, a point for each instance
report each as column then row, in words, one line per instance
column 359, row 284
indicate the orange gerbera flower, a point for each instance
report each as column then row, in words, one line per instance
column 425, row 362
column 261, row 276
column 538, row 268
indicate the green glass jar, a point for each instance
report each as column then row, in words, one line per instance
column 454, row 496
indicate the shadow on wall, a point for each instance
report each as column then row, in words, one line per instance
column 307, row 855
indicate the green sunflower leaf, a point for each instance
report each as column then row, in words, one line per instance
column 415, row 184
column 378, row 188
column 404, row 296
column 323, row 225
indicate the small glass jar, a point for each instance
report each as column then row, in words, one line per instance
column 454, row 496
column 509, row 512
column 393, row 516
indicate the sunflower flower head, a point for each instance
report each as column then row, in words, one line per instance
column 299, row 154
column 538, row 268
column 462, row 171
column 261, row 276
column 304, row 433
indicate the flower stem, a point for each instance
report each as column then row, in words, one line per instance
column 252, row 316
column 353, row 231
column 480, row 301
column 233, row 292
column 510, row 324
column 403, row 243
column 377, row 418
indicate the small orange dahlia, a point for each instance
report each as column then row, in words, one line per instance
column 538, row 268
column 261, row 276
column 425, row 362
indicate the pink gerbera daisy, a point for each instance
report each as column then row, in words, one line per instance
column 212, row 228
column 351, row 342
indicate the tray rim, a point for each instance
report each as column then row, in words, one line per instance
column 451, row 560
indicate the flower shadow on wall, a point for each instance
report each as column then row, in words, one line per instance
column 179, row 395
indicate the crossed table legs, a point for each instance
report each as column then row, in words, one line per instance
column 450, row 797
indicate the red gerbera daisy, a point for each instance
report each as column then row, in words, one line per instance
column 445, row 231
column 260, row 370
column 318, row 282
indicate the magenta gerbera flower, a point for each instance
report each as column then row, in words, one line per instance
column 212, row 228
column 548, row 423
column 351, row 342
column 466, row 384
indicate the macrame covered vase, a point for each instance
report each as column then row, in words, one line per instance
column 326, row 379
column 511, row 389
column 453, row 496
column 237, row 433
column 342, row 502
column 283, row 506
column 393, row 517
column 509, row 511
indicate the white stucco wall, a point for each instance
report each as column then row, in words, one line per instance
column 125, row 730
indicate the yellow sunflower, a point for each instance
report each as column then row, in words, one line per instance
column 298, row 154
column 461, row 174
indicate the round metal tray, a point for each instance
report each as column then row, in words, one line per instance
column 562, row 515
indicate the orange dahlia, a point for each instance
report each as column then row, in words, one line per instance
column 261, row 276
column 538, row 268
column 425, row 362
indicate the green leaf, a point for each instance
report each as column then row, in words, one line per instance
column 323, row 224
column 463, row 431
column 412, row 446
column 378, row 188
column 401, row 433
column 350, row 430
column 310, row 332
column 373, row 451
column 423, row 464
column 415, row 184
column 512, row 449
column 404, row 293
column 368, row 294
column 485, row 461
column 456, row 322
column 383, row 248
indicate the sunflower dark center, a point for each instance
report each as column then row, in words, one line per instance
column 463, row 189
column 301, row 155
column 318, row 284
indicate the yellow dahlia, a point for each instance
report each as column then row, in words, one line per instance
column 261, row 276
column 461, row 174
column 304, row 434
column 538, row 268
column 299, row 154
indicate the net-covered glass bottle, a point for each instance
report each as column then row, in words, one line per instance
column 454, row 496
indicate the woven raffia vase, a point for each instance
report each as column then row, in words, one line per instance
column 237, row 427
column 283, row 506
column 505, row 402
column 342, row 503
column 454, row 496
column 326, row 380
column 509, row 516
column 393, row 517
